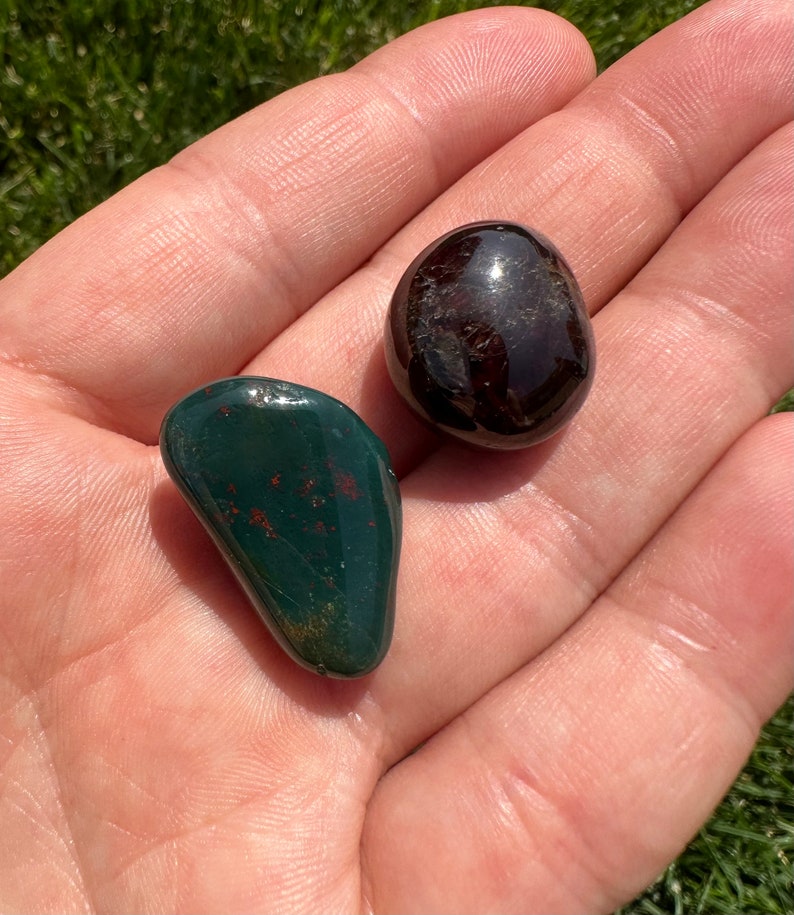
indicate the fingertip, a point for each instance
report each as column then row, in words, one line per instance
column 508, row 59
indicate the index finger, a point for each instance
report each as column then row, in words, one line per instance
column 193, row 269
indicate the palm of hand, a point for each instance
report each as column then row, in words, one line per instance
column 592, row 689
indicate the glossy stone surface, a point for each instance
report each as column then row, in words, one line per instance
column 299, row 496
column 488, row 338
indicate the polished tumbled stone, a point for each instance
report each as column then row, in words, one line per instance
column 488, row 337
column 299, row 496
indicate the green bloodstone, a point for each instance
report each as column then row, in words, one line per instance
column 299, row 496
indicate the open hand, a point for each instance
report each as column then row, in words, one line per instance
column 589, row 633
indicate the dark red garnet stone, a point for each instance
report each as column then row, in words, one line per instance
column 488, row 338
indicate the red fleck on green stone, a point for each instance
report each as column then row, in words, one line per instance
column 299, row 496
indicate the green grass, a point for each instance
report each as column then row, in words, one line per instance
column 92, row 94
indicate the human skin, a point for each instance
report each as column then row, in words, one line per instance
column 589, row 633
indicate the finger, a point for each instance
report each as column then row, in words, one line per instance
column 608, row 179
column 503, row 552
column 571, row 785
column 190, row 271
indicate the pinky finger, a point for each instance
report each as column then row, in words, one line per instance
column 569, row 787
